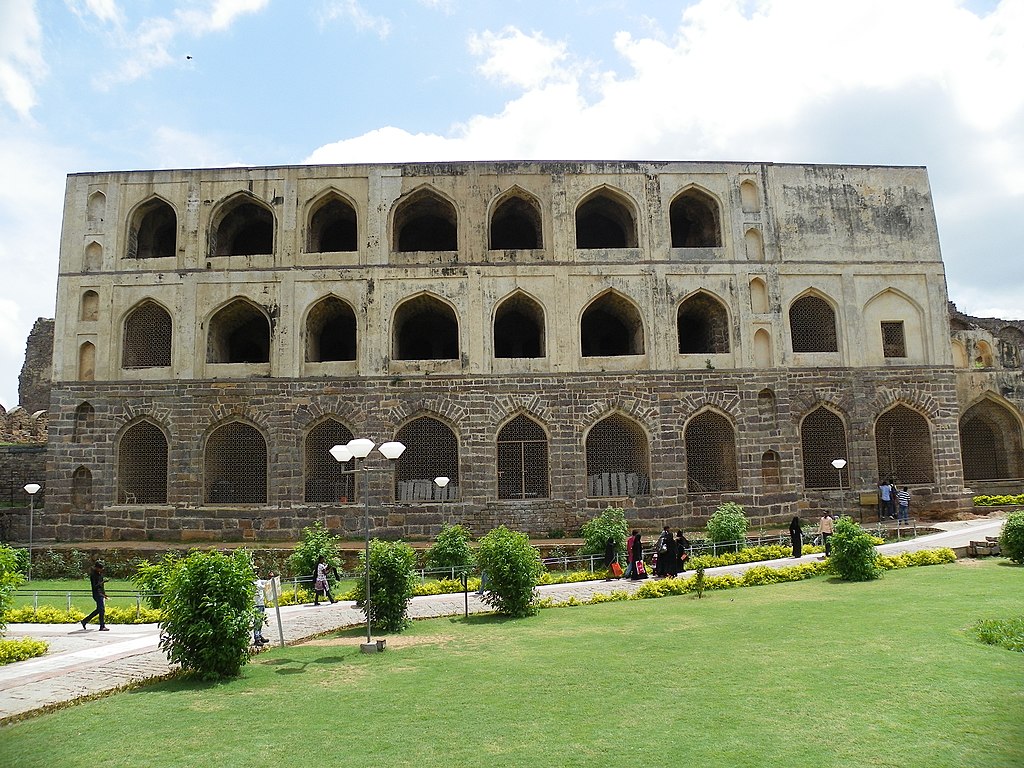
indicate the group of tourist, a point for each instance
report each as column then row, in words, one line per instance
column 826, row 527
column 893, row 502
column 670, row 555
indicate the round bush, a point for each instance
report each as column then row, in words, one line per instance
column 853, row 552
column 728, row 524
column 512, row 568
column 1011, row 541
column 451, row 550
column 10, row 580
column 611, row 524
column 316, row 541
column 208, row 613
column 391, row 584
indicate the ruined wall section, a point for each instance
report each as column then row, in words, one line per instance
column 37, row 370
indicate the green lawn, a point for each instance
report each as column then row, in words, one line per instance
column 813, row 673
column 55, row 592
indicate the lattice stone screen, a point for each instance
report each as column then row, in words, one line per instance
column 812, row 325
column 147, row 337
column 236, row 465
column 142, row 465
column 710, row 454
column 903, row 445
column 990, row 443
column 522, row 460
column 894, row 342
column 823, row 438
column 617, row 458
column 325, row 478
column 431, row 450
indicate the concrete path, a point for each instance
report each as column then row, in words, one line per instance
column 85, row 663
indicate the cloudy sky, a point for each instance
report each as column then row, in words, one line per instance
column 96, row 85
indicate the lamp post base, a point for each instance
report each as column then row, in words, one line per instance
column 374, row 646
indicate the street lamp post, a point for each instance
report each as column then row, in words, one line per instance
column 839, row 464
column 442, row 484
column 359, row 448
column 31, row 489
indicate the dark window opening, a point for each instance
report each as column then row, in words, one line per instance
column 426, row 329
column 236, row 465
column 617, row 458
column 703, row 326
column 604, row 222
column 333, row 228
column 823, row 438
column 611, row 327
column 154, row 232
column 147, row 337
column 894, row 343
column 431, row 450
column 515, row 226
column 239, row 333
column 990, row 443
column 812, row 325
column 710, row 454
column 903, row 445
column 245, row 230
column 326, row 481
column 519, row 328
column 426, row 222
column 522, row 460
column 694, row 220
column 330, row 332
column 142, row 465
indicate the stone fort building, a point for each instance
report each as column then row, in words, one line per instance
column 554, row 337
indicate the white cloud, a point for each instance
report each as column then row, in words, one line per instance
column 361, row 19
column 106, row 11
column 21, row 59
column 513, row 58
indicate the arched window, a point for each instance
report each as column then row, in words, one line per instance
column 153, row 233
column 236, row 465
column 750, row 200
column 812, row 325
column 431, row 450
column 426, row 329
column 758, row 296
column 90, row 306
column 523, row 460
column 243, row 227
column 823, row 438
column 519, row 328
column 85, row 415
column 81, row 490
column 515, row 224
column 903, row 445
column 990, row 443
column 238, row 333
column 426, row 222
column 611, row 326
column 96, row 210
column 147, row 337
column 326, row 481
column 702, row 325
column 982, row 355
column 618, row 462
column 93, row 257
column 604, row 220
column 142, row 465
column 710, row 454
column 333, row 226
column 330, row 331
column 695, row 221
column 763, row 357
column 87, row 361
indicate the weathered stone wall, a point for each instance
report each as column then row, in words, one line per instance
column 20, row 465
column 37, row 370
column 19, row 426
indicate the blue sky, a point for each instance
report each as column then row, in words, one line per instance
column 90, row 85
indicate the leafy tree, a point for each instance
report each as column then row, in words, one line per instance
column 208, row 613
column 728, row 524
column 512, row 569
column 391, row 584
column 316, row 541
column 1011, row 540
column 10, row 580
column 150, row 578
column 853, row 555
column 610, row 524
column 451, row 549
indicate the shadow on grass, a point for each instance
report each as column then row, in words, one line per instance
column 481, row 619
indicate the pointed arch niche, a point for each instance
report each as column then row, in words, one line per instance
column 754, row 244
column 90, row 308
column 333, row 225
column 618, row 458
column 903, row 446
column 93, row 260
column 605, row 218
column 330, row 331
column 242, row 226
column 991, row 447
column 710, row 454
column 702, row 325
column 812, row 325
column 895, row 333
column 147, row 338
column 239, row 332
column 611, row 326
column 425, row 221
column 695, row 220
column 425, row 328
column 516, row 222
column 519, row 328
column 152, row 231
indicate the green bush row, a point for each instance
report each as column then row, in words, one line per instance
column 48, row 614
column 19, row 650
column 998, row 501
column 748, row 555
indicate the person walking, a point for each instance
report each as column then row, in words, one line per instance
column 321, row 585
column 825, row 528
column 682, row 551
column 665, row 549
column 637, row 555
column 611, row 558
column 903, row 500
column 99, row 594
column 796, row 536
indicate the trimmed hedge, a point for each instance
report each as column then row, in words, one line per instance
column 19, row 650
column 998, row 501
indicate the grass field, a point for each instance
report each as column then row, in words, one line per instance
column 813, row 673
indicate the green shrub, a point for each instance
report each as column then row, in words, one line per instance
column 1007, row 633
column 512, row 567
column 391, row 584
column 59, row 564
column 728, row 524
column 610, row 524
column 998, row 501
column 150, row 578
column 208, row 613
column 1011, row 541
column 451, row 549
column 316, row 541
column 853, row 554
column 19, row 650
column 49, row 614
column 10, row 580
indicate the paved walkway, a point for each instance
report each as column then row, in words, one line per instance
column 83, row 663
